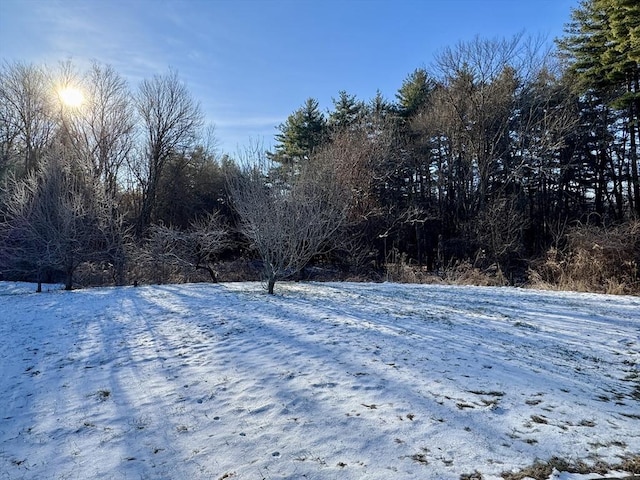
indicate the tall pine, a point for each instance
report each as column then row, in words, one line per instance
column 302, row 132
column 414, row 92
column 347, row 111
column 603, row 47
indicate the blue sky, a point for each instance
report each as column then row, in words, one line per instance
column 251, row 63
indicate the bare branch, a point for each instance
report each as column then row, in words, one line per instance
column 287, row 215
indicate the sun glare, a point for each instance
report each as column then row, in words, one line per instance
column 71, row 97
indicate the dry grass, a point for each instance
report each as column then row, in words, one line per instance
column 464, row 273
column 590, row 259
column 595, row 259
column 471, row 476
column 543, row 470
column 460, row 273
column 631, row 465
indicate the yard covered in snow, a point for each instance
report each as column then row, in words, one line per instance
column 320, row 381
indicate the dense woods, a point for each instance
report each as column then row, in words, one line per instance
column 503, row 162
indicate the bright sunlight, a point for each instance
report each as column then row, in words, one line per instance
column 71, row 96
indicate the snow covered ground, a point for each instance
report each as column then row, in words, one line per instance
column 320, row 381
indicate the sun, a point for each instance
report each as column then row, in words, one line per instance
column 71, row 97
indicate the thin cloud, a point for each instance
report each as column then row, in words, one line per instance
column 249, row 122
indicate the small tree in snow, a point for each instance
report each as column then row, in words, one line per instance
column 287, row 214
column 55, row 219
column 196, row 247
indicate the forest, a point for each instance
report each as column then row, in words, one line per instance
column 505, row 162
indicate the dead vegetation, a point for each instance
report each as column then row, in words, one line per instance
column 543, row 470
column 458, row 273
column 593, row 259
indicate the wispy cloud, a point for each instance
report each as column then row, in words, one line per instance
column 249, row 122
column 85, row 31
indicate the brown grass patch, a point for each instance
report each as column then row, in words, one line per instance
column 543, row 470
column 592, row 259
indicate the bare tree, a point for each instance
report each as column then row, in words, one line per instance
column 8, row 137
column 26, row 116
column 196, row 248
column 471, row 117
column 499, row 230
column 54, row 221
column 360, row 159
column 103, row 128
column 287, row 215
column 170, row 122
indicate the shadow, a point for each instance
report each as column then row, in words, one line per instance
column 336, row 380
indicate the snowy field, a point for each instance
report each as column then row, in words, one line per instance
column 320, row 381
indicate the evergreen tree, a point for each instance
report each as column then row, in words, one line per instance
column 347, row 111
column 379, row 105
column 379, row 113
column 414, row 92
column 602, row 43
column 603, row 48
column 304, row 131
column 622, row 52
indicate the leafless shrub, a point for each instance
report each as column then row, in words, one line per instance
column 288, row 214
column 464, row 273
column 56, row 219
column 595, row 259
column 459, row 273
column 498, row 229
column 195, row 248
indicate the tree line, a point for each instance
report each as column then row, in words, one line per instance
column 505, row 157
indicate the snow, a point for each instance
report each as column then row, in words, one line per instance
column 320, row 381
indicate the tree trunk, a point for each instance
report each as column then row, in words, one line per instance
column 68, row 282
column 634, row 173
column 270, row 284
column 212, row 272
column 633, row 117
column 120, row 276
column 39, row 287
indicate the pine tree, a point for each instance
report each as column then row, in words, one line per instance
column 347, row 111
column 414, row 92
column 379, row 113
column 304, row 131
column 622, row 51
column 603, row 48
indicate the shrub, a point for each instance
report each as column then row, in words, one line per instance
column 594, row 259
